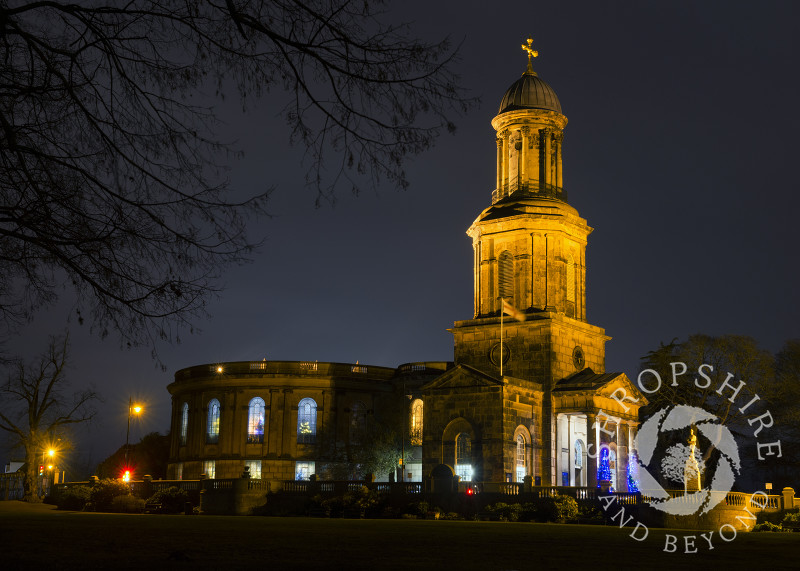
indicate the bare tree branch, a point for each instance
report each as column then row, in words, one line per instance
column 36, row 409
column 112, row 180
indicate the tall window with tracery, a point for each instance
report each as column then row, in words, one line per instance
column 307, row 421
column 184, row 433
column 506, row 275
column 358, row 422
column 521, row 459
column 255, row 421
column 416, row 422
column 464, row 456
column 212, row 425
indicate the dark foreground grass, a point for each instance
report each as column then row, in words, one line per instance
column 37, row 537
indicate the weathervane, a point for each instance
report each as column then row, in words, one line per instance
column 532, row 53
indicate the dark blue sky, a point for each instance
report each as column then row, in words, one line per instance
column 681, row 152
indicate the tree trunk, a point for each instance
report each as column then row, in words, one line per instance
column 30, row 481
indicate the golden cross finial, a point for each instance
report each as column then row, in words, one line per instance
column 532, row 53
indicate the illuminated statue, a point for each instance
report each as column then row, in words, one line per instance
column 691, row 480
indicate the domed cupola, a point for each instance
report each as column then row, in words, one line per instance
column 529, row 92
column 529, row 129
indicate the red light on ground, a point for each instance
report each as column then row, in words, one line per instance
column 470, row 491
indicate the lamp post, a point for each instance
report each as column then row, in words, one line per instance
column 45, row 467
column 132, row 409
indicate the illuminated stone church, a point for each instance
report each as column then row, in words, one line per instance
column 526, row 393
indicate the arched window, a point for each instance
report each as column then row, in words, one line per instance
column 578, row 454
column 570, row 278
column 184, row 423
column 358, row 422
column 255, row 421
column 307, row 421
column 416, row 422
column 464, row 456
column 506, row 275
column 212, row 426
column 521, row 463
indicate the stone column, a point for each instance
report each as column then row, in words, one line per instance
column 523, row 163
column 506, row 157
column 477, row 277
column 536, row 159
column 592, row 449
column 570, row 452
column 622, row 457
column 499, row 191
column 546, row 144
column 559, row 137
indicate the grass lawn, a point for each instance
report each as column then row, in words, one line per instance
column 39, row 537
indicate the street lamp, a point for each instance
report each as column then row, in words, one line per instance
column 132, row 409
column 45, row 467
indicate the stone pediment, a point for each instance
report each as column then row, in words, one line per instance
column 590, row 391
column 603, row 384
column 462, row 377
column 621, row 381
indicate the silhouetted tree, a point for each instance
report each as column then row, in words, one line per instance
column 734, row 354
column 110, row 172
column 35, row 407
column 149, row 457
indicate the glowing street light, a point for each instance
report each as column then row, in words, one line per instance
column 51, row 453
column 132, row 409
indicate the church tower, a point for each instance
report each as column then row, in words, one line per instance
column 528, row 398
column 529, row 249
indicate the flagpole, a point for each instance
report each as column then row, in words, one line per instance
column 502, row 312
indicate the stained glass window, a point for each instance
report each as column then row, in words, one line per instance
column 307, row 421
column 212, row 428
column 184, row 423
column 210, row 469
column 255, row 421
column 416, row 422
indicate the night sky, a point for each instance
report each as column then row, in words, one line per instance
column 681, row 151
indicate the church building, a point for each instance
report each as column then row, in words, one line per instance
column 526, row 393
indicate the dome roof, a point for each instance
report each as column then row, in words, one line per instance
column 529, row 92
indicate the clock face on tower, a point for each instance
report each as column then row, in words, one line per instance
column 578, row 359
column 494, row 354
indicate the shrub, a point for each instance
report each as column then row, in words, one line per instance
column 104, row 492
column 591, row 515
column 767, row 526
column 419, row 509
column 172, row 500
column 127, row 505
column 530, row 511
column 74, row 498
column 506, row 512
column 792, row 519
column 559, row 508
